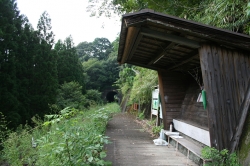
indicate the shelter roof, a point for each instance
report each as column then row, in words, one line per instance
column 163, row 42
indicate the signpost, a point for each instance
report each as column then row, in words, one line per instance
column 156, row 108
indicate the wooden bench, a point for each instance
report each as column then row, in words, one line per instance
column 190, row 146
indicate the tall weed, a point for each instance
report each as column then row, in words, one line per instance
column 71, row 137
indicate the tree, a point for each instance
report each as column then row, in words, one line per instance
column 44, row 81
column 92, row 97
column 102, row 74
column 85, row 51
column 10, row 27
column 68, row 65
column 95, row 74
column 230, row 14
column 45, row 29
column 143, row 84
column 70, row 95
column 100, row 48
column 126, row 6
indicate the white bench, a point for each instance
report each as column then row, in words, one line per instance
column 190, row 146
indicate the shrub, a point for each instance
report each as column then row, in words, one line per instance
column 92, row 98
column 156, row 129
column 71, row 137
column 220, row 158
column 70, row 95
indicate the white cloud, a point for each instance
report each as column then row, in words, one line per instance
column 69, row 17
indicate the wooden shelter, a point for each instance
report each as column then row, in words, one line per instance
column 190, row 56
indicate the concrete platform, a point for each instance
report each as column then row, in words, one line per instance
column 132, row 146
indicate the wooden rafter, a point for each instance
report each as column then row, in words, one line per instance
column 170, row 37
column 134, row 47
column 186, row 59
column 132, row 34
column 160, row 55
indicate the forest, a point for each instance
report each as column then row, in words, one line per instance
column 39, row 75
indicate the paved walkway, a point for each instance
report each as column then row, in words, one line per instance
column 132, row 146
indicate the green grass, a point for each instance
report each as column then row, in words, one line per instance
column 72, row 137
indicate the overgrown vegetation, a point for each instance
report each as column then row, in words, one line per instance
column 72, row 137
column 137, row 83
column 35, row 69
column 219, row 158
column 228, row 14
column 141, row 115
column 4, row 131
column 157, row 129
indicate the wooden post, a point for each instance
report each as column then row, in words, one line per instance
column 244, row 108
column 161, row 89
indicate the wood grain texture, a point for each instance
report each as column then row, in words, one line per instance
column 225, row 75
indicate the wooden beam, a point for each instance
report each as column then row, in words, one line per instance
column 188, row 58
column 208, row 80
column 244, row 108
column 170, row 37
column 134, row 47
column 130, row 39
column 147, row 66
column 161, row 89
column 160, row 55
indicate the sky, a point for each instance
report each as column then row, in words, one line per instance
column 69, row 17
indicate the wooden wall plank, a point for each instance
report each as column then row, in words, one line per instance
column 232, row 86
column 173, row 93
column 192, row 112
column 219, row 79
column 226, row 76
column 206, row 63
column 229, row 104
column 238, row 80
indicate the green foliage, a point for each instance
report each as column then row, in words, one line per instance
column 28, row 75
column 100, row 74
column 44, row 79
column 71, row 137
column 248, row 9
column 100, row 49
column 92, row 98
column 18, row 149
column 152, row 122
column 137, row 83
column 105, row 7
column 45, row 29
column 156, row 129
column 95, row 74
column 4, row 131
column 221, row 158
column 126, row 78
column 228, row 14
column 70, row 95
column 99, row 63
column 143, row 84
column 224, row 14
column 68, row 65
column 141, row 115
column 9, row 30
